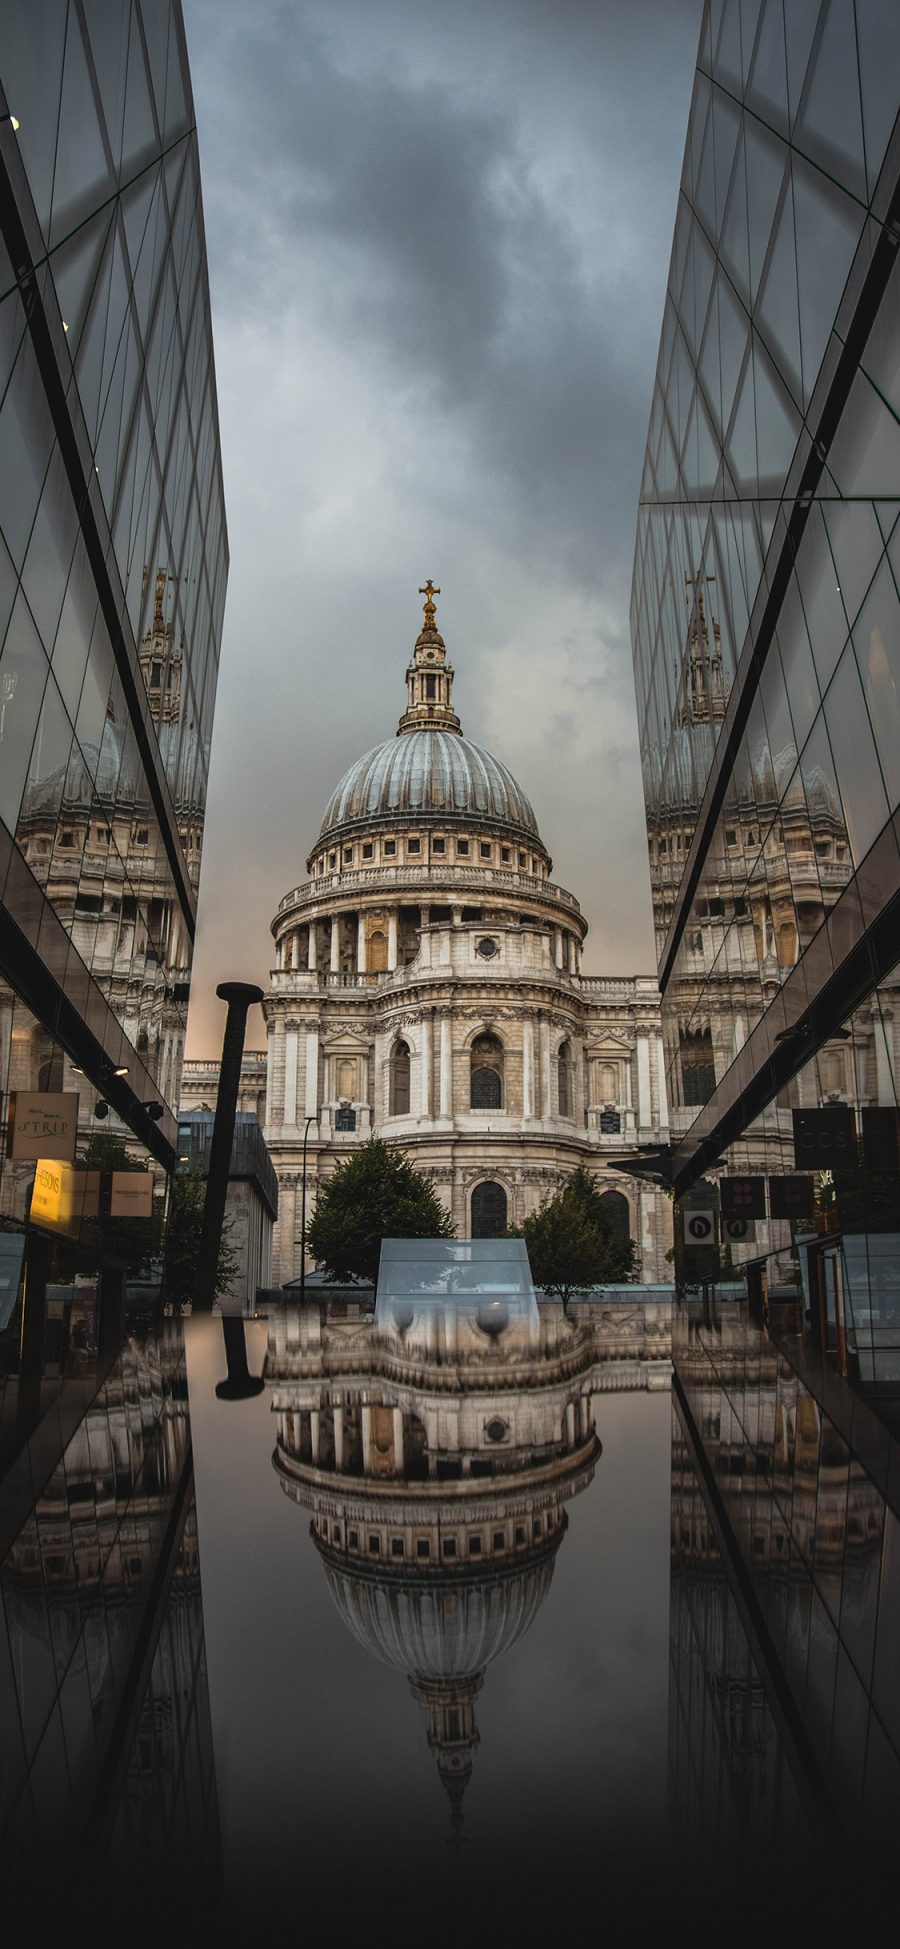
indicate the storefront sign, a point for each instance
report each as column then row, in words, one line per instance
column 824, row 1139
column 131, row 1194
column 42, row 1125
column 791, row 1198
column 743, row 1197
column 61, row 1197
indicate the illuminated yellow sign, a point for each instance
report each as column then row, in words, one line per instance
column 61, row 1197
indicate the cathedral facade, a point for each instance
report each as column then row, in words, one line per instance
column 427, row 989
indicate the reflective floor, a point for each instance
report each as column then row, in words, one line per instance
column 437, row 1615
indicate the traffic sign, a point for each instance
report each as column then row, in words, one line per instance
column 738, row 1231
column 700, row 1227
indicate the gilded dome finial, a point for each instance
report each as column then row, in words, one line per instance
column 429, row 592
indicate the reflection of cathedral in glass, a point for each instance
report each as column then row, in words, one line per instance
column 435, row 1454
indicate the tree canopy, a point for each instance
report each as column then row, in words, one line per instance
column 377, row 1194
column 571, row 1243
column 182, row 1245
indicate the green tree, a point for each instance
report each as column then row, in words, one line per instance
column 186, row 1200
column 377, row 1194
column 571, row 1244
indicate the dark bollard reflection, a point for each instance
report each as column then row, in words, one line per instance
column 239, row 1384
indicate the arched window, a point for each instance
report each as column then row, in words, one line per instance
column 698, row 1068
column 486, row 1084
column 488, row 1210
column 50, row 1073
column 400, row 1081
column 376, row 959
column 615, row 1211
column 564, row 1071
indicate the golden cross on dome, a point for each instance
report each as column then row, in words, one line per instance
column 429, row 592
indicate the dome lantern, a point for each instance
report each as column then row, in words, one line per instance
column 429, row 677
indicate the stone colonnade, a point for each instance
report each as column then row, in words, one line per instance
column 304, row 955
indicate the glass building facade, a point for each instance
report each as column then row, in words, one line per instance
column 766, row 635
column 113, row 566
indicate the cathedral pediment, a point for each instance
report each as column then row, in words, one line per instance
column 346, row 1043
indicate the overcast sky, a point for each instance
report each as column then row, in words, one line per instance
column 438, row 236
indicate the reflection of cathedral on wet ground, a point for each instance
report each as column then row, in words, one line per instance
column 436, row 1454
column 427, row 988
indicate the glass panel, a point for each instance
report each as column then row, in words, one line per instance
column 81, row 179
column 829, row 125
column 876, row 637
column 858, row 771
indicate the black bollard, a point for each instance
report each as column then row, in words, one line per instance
column 239, row 1384
column 240, row 996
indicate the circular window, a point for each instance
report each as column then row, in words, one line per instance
column 495, row 1429
column 487, row 948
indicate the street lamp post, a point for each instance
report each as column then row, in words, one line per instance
column 309, row 1120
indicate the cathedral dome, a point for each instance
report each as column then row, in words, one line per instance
column 423, row 772
column 429, row 770
column 445, row 1629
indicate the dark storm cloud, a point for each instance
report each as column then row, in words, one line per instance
column 411, row 212
column 438, row 241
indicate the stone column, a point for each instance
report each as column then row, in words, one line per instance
column 335, row 944
column 392, row 954
column 289, row 1114
column 270, row 1076
column 339, row 1435
column 558, row 946
column 573, row 953
column 398, row 1440
column 546, row 1093
column 361, row 945
column 366, row 1418
column 662, row 1105
column 528, row 1068
column 446, row 1067
column 313, row 946
column 643, row 1070
column 570, row 1423
column 315, row 1429
column 883, row 1023
column 424, row 939
column 425, row 1061
column 312, row 1073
